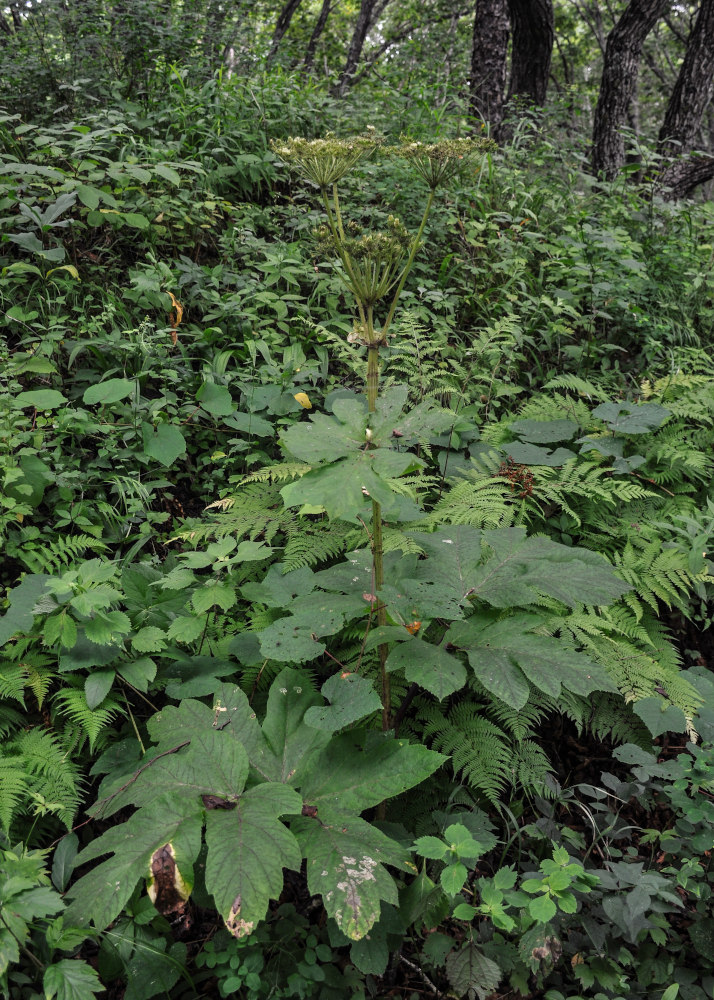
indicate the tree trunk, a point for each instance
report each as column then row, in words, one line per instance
column 281, row 26
column 489, row 52
column 369, row 12
column 533, row 27
column 619, row 80
column 683, row 118
column 315, row 36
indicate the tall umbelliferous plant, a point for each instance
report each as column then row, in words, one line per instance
column 375, row 265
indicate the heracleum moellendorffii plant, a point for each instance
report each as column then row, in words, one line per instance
column 375, row 265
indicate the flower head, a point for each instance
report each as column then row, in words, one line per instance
column 325, row 161
column 438, row 162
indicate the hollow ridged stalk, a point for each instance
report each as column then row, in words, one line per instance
column 377, row 545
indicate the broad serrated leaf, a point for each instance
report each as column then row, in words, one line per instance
column 214, row 764
column 213, row 594
column 519, row 569
column 339, row 489
column 440, row 673
column 469, row 970
column 353, row 779
column 99, row 896
column 351, row 698
column 248, row 847
column 149, row 639
column 544, row 431
column 19, row 616
column 345, row 864
column 232, row 712
column 290, row 741
column 177, row 724
column 186, row 628
column 325, row 439
column 631, row 418
column 453, row 554
column 506, row 655
column 278, row 589
column 71, row 979
column 105, row 627
column 295, row 639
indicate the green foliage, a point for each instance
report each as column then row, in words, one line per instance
column 187, row 514
column 197, row 775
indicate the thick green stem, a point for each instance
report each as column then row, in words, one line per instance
column 377, row 545
column 408, row 265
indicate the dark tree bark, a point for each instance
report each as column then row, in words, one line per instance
column 309, row 59
column 369, row 12
column 533, row 27
column 281, row 26
column 682, row 121
column 489, row 53
column 619, row 80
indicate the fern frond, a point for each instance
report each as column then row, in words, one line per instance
column 13, row 788
column 482, row 754
column 56, row 554
column 309, row 543
column 31, row 671
column 52, row 774
column 579, row 386
column 72, row 702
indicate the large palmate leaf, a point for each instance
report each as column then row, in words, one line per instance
column 352, row 779
column 198, row 773
column 213, row 764
column 354, row 453
column 291, row 742
column 507, row 658
column 632, row 418
column 100, row 895
column 248, row 847
column 520, row 569
column 345, row 864
column 351, row 698
column 296, row 638
column 428, row 665
column 506, row 569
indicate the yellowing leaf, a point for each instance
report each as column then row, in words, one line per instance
column 303, row 399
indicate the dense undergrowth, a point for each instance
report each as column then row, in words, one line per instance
column 343, row 775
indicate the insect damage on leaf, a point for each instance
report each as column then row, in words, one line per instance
column 234, row 922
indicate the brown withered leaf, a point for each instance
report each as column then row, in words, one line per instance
column 216, row 802
column 167, row 889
